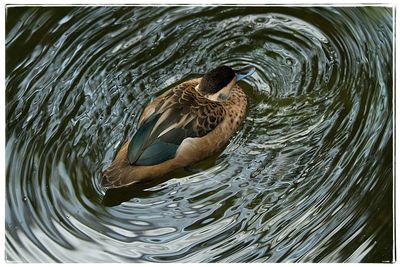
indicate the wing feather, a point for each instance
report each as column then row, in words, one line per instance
column 182, row 114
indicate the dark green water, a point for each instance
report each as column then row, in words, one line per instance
column 307, row 178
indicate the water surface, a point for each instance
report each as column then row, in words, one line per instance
column 307, row 178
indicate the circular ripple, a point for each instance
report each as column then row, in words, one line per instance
column 308, row 177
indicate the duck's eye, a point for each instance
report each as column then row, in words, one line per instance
column 222, row 97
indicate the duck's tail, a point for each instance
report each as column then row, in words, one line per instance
column 116, row 177
column 120, row 173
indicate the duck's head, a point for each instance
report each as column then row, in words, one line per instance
column 217, row 84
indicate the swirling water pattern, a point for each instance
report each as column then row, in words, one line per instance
column 307, row 178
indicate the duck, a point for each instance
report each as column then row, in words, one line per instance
column 183, row 126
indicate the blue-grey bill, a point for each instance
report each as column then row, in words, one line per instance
column 244, row 72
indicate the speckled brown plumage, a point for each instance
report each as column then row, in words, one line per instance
column 209, row 123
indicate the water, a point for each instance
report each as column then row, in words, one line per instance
column 307, row 178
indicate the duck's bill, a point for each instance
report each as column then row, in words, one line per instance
column 244, row 72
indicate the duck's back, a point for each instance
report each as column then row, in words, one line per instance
column 183, row 128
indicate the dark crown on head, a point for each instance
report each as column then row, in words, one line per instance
column 216, row 79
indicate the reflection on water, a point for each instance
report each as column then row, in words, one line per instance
column 307, row 178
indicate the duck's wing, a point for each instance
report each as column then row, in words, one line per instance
column 182, row 113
